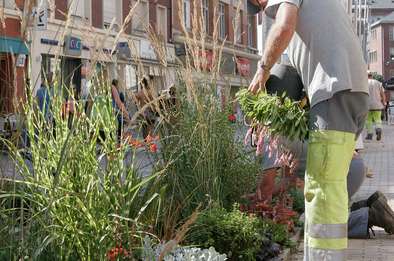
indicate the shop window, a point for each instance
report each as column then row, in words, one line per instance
column 140, row 20
column 131, row 78
column 161, row 13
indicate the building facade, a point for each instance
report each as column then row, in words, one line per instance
column 83, row 36
column 13, row 58
column 236, row 31
column 381, row 47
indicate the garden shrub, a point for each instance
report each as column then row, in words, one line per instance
column 234, row 233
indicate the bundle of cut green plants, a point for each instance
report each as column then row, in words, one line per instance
column 276, row 115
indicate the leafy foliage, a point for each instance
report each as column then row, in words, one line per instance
column 283, row 116
column 232, row 232
column 205, row 161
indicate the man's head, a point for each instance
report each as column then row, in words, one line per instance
column 262, row 3
column 370, row 75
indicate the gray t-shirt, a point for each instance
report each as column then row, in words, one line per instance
column 325, row 50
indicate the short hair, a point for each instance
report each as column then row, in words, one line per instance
column 115, row 82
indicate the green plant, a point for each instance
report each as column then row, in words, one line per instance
column 205, row 163
column 280, row 115
column 79, row 199
column 235, row 233
column 377, row 77
column 298, row 200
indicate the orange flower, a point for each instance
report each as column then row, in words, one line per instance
column 116, row 252
column 150, row 139
column 136, row 143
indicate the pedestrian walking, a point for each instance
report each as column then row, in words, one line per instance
column 118, row 100
column 377, row 101
column 327, row 55
column 44, row 96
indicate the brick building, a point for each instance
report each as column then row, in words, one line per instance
column 13, row 53
column 381, row 47
column 81, row 31
column 238, row 31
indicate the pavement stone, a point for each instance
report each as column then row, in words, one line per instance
column 379, row 157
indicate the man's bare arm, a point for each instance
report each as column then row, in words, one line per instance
column 280, row 34
column 278, row 39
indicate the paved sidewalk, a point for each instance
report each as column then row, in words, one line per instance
column 379, row 157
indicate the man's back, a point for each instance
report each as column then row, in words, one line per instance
column 325, row 51
column 375, row 95
column 43, row 100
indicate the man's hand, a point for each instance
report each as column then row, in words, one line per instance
column 258, row 83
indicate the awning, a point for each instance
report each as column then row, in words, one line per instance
column 12, row 45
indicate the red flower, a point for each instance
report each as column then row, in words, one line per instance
column 232, row 118
column 153, row 148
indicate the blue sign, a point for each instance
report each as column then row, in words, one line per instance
column 75, row 44
column 72, row 46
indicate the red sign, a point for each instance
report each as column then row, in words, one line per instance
column 206, row 60
column 243, row 66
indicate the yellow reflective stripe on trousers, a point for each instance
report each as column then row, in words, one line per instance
column 324, row 255
column 327, row 230
column 326, row 199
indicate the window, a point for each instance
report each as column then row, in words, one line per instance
column 373, row 34
column 251, row 25
column 186, row 14
column 205, row 13
column 140, row 20
column 391, row 33
column 222, row 21
column 391, row 53
column 110, row 13
column 77, row 8
column 7, row 4
column 162, row 21
column 373, row 57
column 238, row 26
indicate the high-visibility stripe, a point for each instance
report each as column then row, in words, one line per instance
column 316, row 254
column 331, row 243
column 327, row 230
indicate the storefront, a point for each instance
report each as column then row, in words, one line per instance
column 13, row 53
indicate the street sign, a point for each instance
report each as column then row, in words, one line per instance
column 41, row 17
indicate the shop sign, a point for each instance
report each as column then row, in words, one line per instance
column 21, row 60
column 73, row 46
column 41, row 20
column 243, row 66
column 49, row 41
